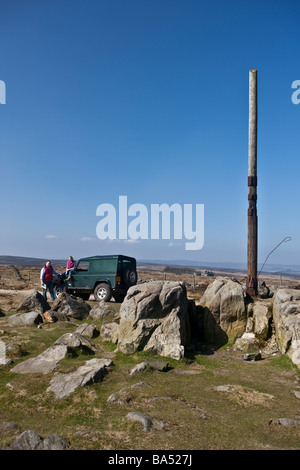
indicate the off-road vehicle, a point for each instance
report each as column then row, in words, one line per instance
column 103, row 276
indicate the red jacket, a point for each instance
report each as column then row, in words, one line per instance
column 48, row 275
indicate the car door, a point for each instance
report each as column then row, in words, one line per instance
column 80, row 277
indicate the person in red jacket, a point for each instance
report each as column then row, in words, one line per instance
column 47, row 280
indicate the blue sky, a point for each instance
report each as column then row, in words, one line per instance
column 147, row 99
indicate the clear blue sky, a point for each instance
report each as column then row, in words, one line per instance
column 149, row 99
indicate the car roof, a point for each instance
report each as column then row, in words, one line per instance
column 101, row 257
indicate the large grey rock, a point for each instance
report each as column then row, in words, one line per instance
column 259, row 319
column 62, row 385
column 247, row 343
column 44, row 362
column 67, row 306
column 100, row 310
column 25, row 319
column 154, row 318
column 30, row 440
column 110, row 332
column 286, row 317
column 34, row 302
column 223, row 309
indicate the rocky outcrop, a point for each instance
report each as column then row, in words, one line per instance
column 286, row 317
column 67, row 306
column 154, row 318
column 223, row 310
column 34, row 302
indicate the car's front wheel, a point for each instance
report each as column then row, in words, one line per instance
column 102, row 292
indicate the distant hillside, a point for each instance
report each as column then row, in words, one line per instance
column 24, row 261
column 292, row 271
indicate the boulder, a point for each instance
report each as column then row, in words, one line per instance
column 30, row 440
column 262, row 314
column 110, row 332
column 88, row 330
column 34, row 302
column 259, row 319
column 247, row 343
column 44, row 362
column 62, row 385
column 25, row 319
column 100, row 310
column 286, row 317
column 67, row 306
column 154, row 318
column 223, row 310
column 76, row 340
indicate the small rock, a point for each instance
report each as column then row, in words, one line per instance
column 251, row 357
column 297, row 394
column 114, row 398
column 288, row 422
column 145, row 420
column 223, row 388
column 139, row 368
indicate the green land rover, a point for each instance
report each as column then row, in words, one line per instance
column 103, row 276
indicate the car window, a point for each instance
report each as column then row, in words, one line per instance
column 83, row 266
column 127, row 264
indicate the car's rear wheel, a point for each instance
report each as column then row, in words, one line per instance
column 130, row 278
column 102, row 292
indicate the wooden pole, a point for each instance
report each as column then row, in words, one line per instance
column 251, row 282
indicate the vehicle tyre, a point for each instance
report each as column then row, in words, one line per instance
column 102, row 292
column 59, row 289
column 130, row 278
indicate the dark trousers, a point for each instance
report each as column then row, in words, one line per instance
column 49, row 285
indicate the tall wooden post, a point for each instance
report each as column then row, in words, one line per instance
column 251, row 282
